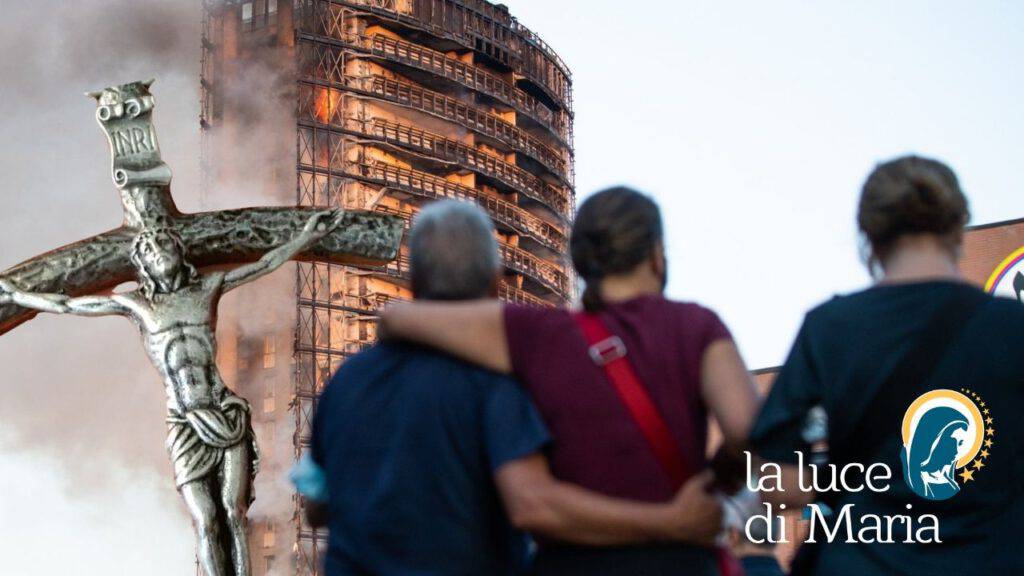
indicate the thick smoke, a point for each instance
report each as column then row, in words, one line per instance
column 81, row 410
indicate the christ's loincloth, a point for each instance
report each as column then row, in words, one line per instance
column 198, row 438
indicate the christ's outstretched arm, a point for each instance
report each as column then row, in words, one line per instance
column 318, row 226
column 60, row 304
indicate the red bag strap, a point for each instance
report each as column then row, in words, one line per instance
column 608, row 351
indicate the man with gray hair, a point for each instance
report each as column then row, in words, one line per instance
column 414, row 453
column 454, row 253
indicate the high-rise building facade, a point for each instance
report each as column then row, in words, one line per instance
column 378, row 105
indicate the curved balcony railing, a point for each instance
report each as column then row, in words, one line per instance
column 532, row 37
column 510, row 293
column 539, row 270
column 514, row 258
column 374, row 302
column 399, row 269
column 506, row 292
column 466, row 115
column 447, row 150
column 326, row 110
column 560, row 123
column 429, row 186
column 323, row 66
column 468, row 157
column 476, row 24
column 466, row 74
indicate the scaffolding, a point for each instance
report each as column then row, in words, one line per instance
column 396, row 103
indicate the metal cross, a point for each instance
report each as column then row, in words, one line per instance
column 227, row 237
column 210, row 439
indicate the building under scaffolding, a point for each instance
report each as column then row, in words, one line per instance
column 389, row 104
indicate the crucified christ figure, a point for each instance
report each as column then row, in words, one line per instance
column 210, row 438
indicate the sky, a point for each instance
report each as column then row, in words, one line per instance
column 752, row 123
column 755, row 123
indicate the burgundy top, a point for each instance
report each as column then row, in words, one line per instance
column 596, row 443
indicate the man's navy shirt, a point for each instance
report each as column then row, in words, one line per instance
column 409, row 439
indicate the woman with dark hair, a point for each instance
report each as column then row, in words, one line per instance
column 638, row 435
column 917, row 373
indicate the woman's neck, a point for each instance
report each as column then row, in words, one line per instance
column 620, row 288
column 919, row 259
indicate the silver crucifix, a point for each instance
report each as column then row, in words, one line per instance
column 210, row 439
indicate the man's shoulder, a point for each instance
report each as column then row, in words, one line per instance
column 364, row 365
column 420, row 359
column 456, row 367
column 412, row 371
column 365, row 358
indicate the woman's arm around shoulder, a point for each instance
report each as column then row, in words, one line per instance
column 472, row 330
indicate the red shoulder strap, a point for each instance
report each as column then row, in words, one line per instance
column 608, row 351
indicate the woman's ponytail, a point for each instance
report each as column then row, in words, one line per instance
column 615, row 231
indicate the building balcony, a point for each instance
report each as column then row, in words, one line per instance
column 324, row 72
column 445, row 150
column 424, row 185
column 433, row 187
column 385, row 48
column 477, row 25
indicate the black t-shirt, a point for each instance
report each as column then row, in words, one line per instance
column 955, row 453
column 409, row 439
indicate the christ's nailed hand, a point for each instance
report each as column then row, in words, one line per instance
column 322, row 223
column 6, row 291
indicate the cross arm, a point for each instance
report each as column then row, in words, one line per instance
column 88, row 266
column 245, row 235
column 224, row 238
column 318, row 226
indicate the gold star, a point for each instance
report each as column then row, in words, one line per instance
column 967, row 475
column 988, row 420
column 991, row 431
column 978, row 464
column 984, row 453
column 988, row 443
column 985, row 411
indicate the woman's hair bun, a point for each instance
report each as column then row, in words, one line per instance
column 615, row 230
column 911, row 195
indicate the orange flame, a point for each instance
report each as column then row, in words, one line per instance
column 326, row 104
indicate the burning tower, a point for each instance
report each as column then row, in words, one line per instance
column 380, row 105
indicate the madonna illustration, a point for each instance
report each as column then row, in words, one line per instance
column 943, row 432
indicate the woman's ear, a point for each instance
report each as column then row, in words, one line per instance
column 658, row 263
